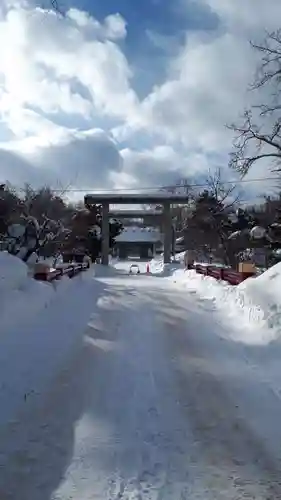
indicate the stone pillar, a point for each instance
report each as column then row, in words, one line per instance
column 167, row 232
column 105, row 234
column 173, row 239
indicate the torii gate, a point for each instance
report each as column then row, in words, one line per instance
column 164, row 199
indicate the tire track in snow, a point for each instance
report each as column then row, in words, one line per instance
column 227, row 440
column 142, row 415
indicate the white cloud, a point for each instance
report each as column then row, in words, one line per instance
column 161, row 165
column 203, row 94
column 55, row 70
column 207, row 85
column 46, row 56
column 247, row 16
column 115, row 27
column 86, row 159
column 63, row 78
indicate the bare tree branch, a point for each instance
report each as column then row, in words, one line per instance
column 220, row 190
column 270, row 67
column 260, row 138
column 55, row 6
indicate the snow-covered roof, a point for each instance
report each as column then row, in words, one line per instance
column 180, row 240
column 139, row 235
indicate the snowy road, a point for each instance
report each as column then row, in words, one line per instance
column 155, row 405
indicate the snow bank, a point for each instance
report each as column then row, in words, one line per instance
column 35, row 346
column 265, row 291
column 13, row 272
column 157, row 267
column 21, row 297
column 255, row 302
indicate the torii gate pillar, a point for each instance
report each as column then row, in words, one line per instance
column 167, row 232
column 105, row 234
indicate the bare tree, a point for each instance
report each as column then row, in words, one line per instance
column 207, row 227
column 224, row 192
column 258, row 137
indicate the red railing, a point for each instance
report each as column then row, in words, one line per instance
column 222, row 273
column 70, row 270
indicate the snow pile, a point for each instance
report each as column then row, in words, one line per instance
column 52, row 261
column 179, row 257
column 158, row 268
column 13, row 271
column 255, row 302
column 38, row 335
column 22, row 297
column 157, row 265
column 265, row 291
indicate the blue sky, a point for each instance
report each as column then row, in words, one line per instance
column 163, row 16
column 155, row 30
column 125, row 94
